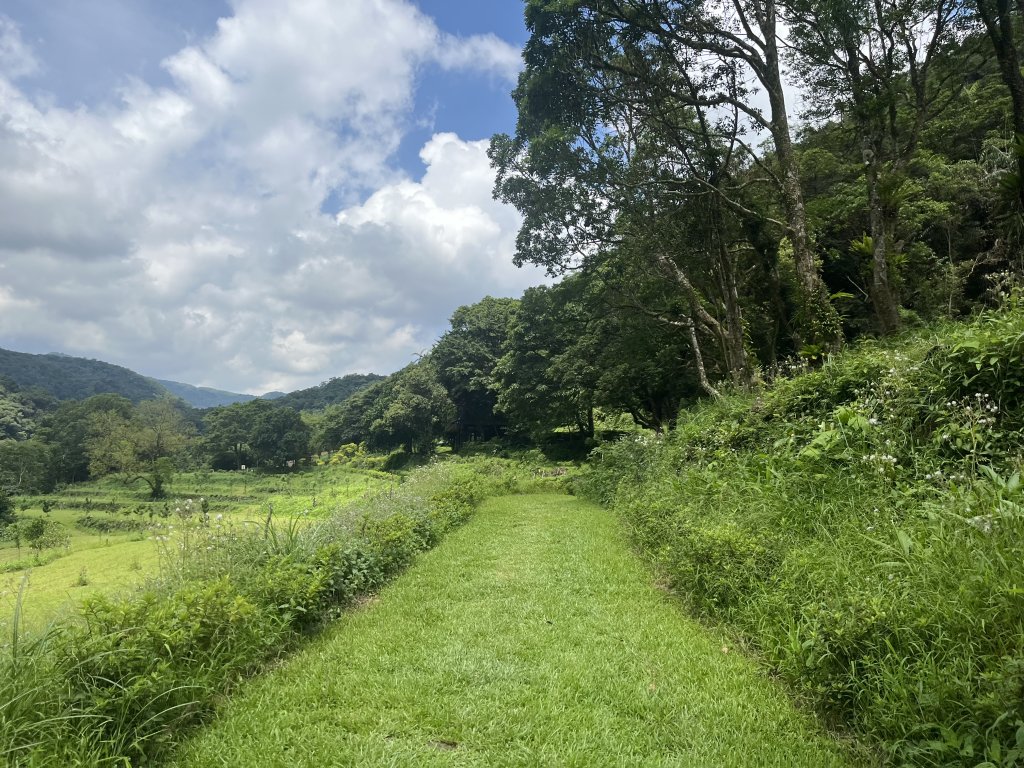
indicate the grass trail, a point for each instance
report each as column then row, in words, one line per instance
column 531, row 637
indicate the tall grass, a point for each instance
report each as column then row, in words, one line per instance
column 119, row 682
column 862, row 527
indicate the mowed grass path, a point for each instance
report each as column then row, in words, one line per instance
column 531, row 637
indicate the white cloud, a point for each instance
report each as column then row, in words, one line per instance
column 16, row 57
column 178, row 229
column 480, row 52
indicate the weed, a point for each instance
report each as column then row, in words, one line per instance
column 862, row 526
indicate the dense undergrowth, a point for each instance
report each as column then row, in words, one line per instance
column 117, row 683
column 862, row 527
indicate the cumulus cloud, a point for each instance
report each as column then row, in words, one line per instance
column 178, row 229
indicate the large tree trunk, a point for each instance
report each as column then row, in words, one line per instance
column 734, row 336
column 698, row 360
column 820, row 324
column 883, row 298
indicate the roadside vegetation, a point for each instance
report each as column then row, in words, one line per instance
column 120, row 678
column 533, row 636
column 861, row 528
column 102, row 535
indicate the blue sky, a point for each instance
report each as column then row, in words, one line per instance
column 251, row 194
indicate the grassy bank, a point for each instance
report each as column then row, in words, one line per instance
column 113, row 535
column 531, row 637
column 119, row 680
column 861, row 527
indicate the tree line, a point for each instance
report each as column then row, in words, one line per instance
column 704, row 230
column 659, row 158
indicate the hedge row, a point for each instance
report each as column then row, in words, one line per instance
column 120, row 681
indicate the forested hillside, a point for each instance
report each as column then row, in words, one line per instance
column 75, row 378
column 331, row 392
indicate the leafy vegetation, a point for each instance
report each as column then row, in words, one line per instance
column 75, row 378
column 121, row 682
column 537, row 653
column 861, row 527
column 331, row 392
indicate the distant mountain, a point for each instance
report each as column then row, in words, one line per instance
column 203, row 397
column 75, row 378
column 331, row 392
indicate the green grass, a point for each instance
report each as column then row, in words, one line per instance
column 54, row 588
column 861, row 527
column 113, row 561
column 530, row 637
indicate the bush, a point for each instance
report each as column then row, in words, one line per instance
column 7, row 513
column 862, row 526
column 120, row 682
column 95, row 524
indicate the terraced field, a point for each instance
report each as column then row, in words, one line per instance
column 116, row 535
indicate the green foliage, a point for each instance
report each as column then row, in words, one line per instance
column 860, row 526
column 278, row 435
column 139, row 446
column 120, row 681
column 75, row 378
column 41, row 533
column 7, row 512
column 334, row 391
column 466, row 357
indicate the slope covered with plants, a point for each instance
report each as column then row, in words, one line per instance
column 862, row 527
column 76, row 378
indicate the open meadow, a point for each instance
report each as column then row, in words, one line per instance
column 112, row 536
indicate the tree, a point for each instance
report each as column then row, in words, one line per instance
column 7, row 513
column 41, row 534
column 350, row 421
column 872, row 60
column 588, row 343
column 413, row 409
column 633, row 162
column 1002, row 20
column 67, row 432
column 226, row 433
column 651, row 57
column 25, row 466
column 465, row 358
column 139, row 447
column 278, row 435
column 544, row 385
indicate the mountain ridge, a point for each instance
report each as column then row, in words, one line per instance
column 67, row 377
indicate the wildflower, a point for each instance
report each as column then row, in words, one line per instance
column 982, row 522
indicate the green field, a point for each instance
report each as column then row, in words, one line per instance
column 532, row 636
column 95, row 560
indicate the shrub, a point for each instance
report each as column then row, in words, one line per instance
column 118, row 683
column 108, row 525
column 862, row 526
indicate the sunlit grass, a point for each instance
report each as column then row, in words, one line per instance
column 530, row 637
column 96, row 562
